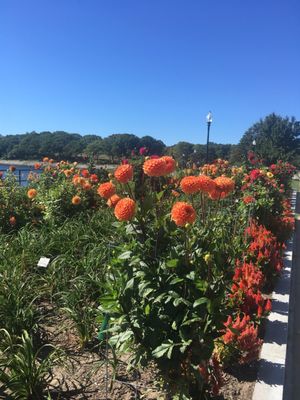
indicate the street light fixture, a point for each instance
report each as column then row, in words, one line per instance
column 209, row 121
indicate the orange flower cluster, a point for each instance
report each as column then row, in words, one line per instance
column 183, row 213
column 224, row 186
column 31, row 193
column 125, row 209
column 106, row 190
column 124, row 173
column 159, row 166
column 194, row 184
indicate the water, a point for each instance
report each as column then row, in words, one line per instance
column 21, row 172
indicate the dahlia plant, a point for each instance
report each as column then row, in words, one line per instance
column 167, row 289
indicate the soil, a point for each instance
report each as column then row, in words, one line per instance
column 86, row 374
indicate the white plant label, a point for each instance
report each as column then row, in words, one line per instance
column 43, row 262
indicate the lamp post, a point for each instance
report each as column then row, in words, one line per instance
column 209, row 121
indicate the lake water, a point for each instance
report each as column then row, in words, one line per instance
column 21, row 172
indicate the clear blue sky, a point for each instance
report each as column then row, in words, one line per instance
column 148, row 66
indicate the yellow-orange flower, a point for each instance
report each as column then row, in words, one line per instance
column 206, row 184
column 125, row 209
column 76, row 200
column 31, row 193
column 170, row 164
column 51, row 161
column 224, row 184
column 155, row 167
column 45, row 159
column 67, row 172
column 106, row 190
column 113, row 200
column 124, row 173
column 190, row 184
column 183, row 213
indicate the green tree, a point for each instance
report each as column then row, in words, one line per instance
column 276, row 138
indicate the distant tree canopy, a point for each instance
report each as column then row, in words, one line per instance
column 276, row 138
column 72, row 146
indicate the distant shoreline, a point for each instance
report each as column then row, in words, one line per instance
column 30, row 163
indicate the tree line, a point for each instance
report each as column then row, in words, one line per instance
column 272, row 138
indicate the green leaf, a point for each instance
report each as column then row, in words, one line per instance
column 200, row 301
column 165, row 348
column 147, row 309
column 125, row 256
column 172, row 263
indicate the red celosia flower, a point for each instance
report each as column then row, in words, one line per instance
column 106, row 190
column 183, row 213
column 155, row 167
column 125, row 209
column 248, row 199
column 124, row 173
column 190, row 184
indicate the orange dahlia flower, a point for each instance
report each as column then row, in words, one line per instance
column 125, row 209
column 76, row 200
column 175, row 193
column 183, row 213
column 113, row 200
column 190, row 184
column 37, row 165
column 85, row 173
column 171, row 164
column 45, row 159
column 206, row 184
column 106, row 190
column 124, row 173
column 155, row 167
column 31, row 193
column 224, row 184
column 94, row 178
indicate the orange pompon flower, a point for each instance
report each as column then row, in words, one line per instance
column 106, row 190
column 113, row 200
column 183, row 213
column 190, row 184
column 76, row 179
column 124, row 173
column 12, row 220
column 67, row 172
column 31, row 193
column 37, row 165
column 51, row 161
column 125, row 209
column 155, row 167
column 171, row 164
column 76, row 200
column 45, row 159
column 206, row 184
column 224, row 185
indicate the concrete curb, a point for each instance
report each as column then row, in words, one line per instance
column 271, row 372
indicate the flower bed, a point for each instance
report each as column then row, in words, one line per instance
column 185, row 263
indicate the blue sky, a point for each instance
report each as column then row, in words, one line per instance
column 148, row 66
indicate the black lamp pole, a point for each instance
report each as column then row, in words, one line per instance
column 209, row 121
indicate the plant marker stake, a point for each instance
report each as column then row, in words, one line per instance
column 103, row 327
column 43, row 262
column 106, row 368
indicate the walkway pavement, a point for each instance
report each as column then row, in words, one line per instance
column 292, row 371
